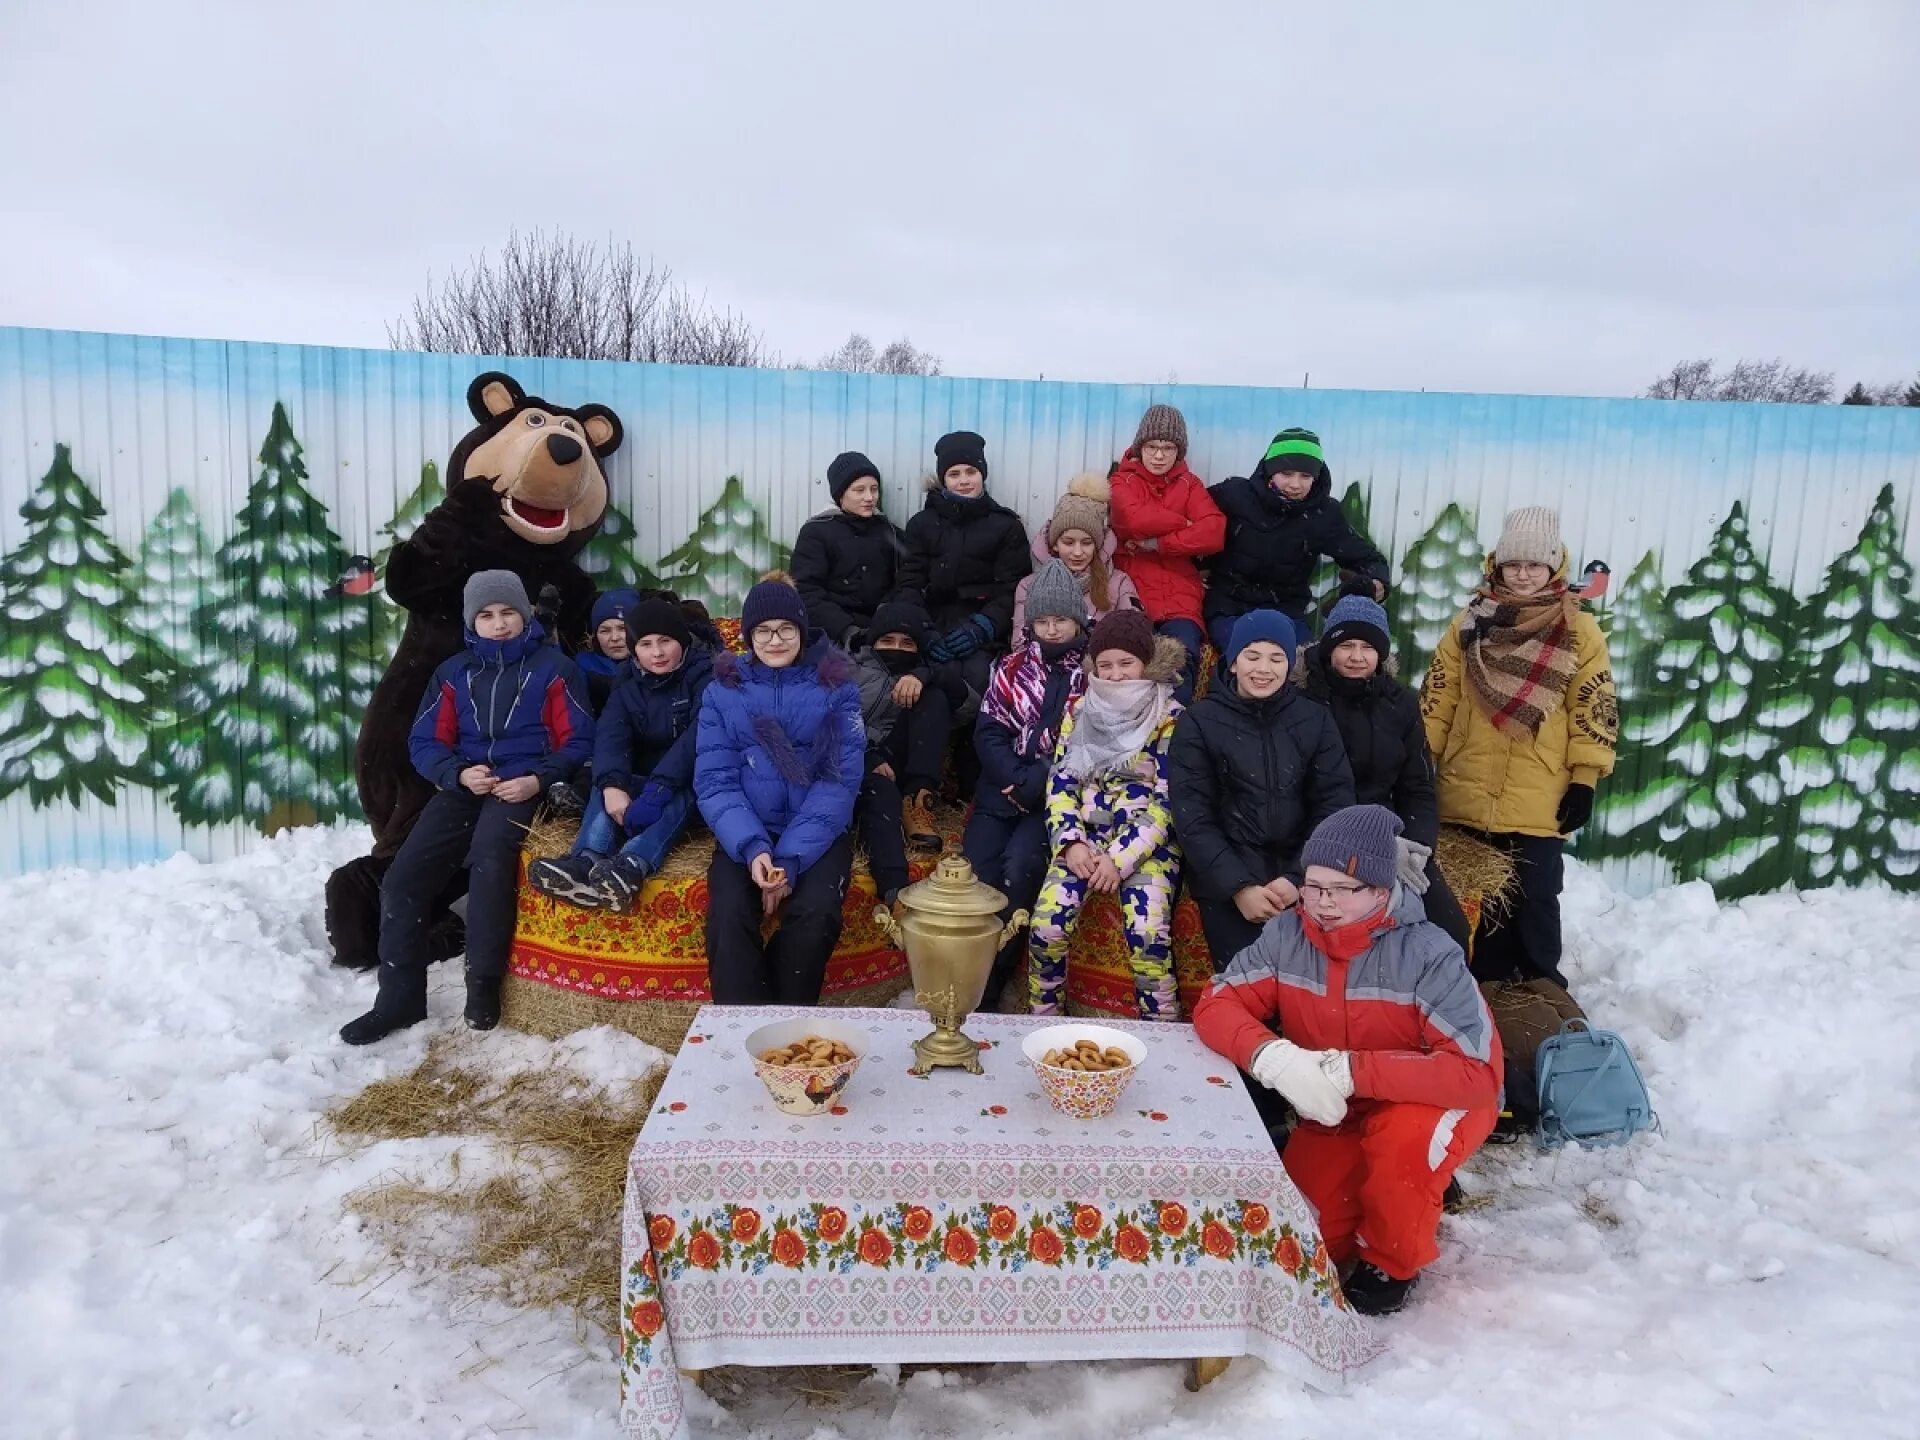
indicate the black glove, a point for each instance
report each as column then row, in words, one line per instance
column 1352, row 582
column 546, row 608
column 1576, row 808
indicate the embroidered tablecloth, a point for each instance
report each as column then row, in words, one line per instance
column 960, row 1217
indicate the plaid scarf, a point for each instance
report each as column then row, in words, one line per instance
column 1519, row 655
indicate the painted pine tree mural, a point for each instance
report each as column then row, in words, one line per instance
column 609, row 557
column 1358, row 510
column 1635, row 623
column 292, row 666
column 76, row 679
column 1712, row 726
column 1855, row 773
column 174, row 575
column 389, row 619
column 1437, row 577
column 729, row 550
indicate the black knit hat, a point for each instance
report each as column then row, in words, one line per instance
column 900, row 617
column 961, row 447
column 658, row 617
column 1128, row 631
column 772, row 600
column 847, row 467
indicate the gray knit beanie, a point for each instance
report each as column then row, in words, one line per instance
column 494, row 587
column 1055, row 592
column 1357, row 841
column 1162, row 422
column 1531, row 535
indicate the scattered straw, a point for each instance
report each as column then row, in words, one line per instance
column 1476, row 871
column 544, row 1229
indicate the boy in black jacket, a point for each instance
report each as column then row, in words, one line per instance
column 908, row 707
column 1280, row 520
column 1350, row 673
column 642, row 767
column 846, row 560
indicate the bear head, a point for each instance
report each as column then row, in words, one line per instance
column 541, row 461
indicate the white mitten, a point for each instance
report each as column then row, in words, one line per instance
column 1338, row 1067
column 1410, row 865
column 1297, row 1075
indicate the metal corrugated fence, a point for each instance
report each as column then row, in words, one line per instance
column 165, row 432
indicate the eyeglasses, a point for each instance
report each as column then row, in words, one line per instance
column 777, row 634
column 1338, row 892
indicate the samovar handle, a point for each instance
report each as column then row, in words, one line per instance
column 1014, row 922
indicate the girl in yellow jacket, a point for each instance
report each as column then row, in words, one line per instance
column 1520, row 715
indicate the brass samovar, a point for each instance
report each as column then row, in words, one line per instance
column 951, row 932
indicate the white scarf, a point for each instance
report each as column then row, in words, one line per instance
column 1112, row 725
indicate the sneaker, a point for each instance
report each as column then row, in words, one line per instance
column 916, row 817
column 619, row 881
column 569, row 878
column 483, row 1002
column 565, row 801
column 1372, row 1291
column 374, row 1026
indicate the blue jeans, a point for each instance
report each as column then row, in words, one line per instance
column 650, row 846
column 1192, row 640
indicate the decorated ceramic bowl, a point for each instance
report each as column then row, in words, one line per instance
column 805, row 1089
column 1083, row 1094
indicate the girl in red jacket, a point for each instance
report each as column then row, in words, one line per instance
column 1165, row 521
column 1361, row 1013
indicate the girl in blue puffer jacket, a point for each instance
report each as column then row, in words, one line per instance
column 780, row 753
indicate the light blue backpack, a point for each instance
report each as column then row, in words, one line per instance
column 1590, row 1089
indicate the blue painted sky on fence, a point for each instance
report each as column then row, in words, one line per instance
column 146, row 414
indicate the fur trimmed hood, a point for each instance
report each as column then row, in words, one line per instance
column 1169, row 655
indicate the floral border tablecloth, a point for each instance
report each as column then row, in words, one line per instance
column 959, row 1217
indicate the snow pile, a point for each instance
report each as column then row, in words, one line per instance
column 176, row 1262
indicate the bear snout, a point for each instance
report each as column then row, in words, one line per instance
column 563, row 449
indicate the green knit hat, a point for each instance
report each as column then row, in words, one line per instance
column 1294, row 449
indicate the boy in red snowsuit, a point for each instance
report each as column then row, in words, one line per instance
column 1383, row 1046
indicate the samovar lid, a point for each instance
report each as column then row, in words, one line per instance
column 952, row 890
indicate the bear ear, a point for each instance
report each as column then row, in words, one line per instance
column 493, row 394
column 604, row 431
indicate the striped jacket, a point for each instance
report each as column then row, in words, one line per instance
column 1406, row 1010
column 516, row 705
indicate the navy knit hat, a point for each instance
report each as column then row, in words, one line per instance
column 961, row 447
column 1357, row 841
column 612, row 604
column 846, row 468
column 658, row 617
column 494, row 587
column 1269, row 625
column 772, row 600
column 1354, row 617
column 901, row 617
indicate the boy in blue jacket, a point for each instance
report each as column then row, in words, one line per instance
column 778, row 762
column 500, row 723
column 642, row 767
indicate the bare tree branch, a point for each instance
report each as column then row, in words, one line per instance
column 1766, row 381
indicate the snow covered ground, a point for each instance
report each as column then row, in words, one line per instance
column 174, row 1259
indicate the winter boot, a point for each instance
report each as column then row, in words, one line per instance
column 353, row 912
column 375, row 1025
column 565, row 801
column 1372, row 1291
column 916, row 818
column 569, row 878
column 1454, row 1201
column 618, row 880
column 483, row 1002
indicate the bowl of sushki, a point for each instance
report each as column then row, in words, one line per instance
column 806, row 1063
column 1084, row 1068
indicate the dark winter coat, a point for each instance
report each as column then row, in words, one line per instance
column 1386, row 743
column 517, row 706
column 964, row 558
column 878, row 710
column 844, row 566
column 778, row 755
column 1019, row 726
column 1274, row 544
column 1249, row 780
column 647, row 730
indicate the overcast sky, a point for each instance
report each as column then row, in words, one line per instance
column 1511, row 197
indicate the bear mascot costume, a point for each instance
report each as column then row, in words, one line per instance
column 525, row 492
